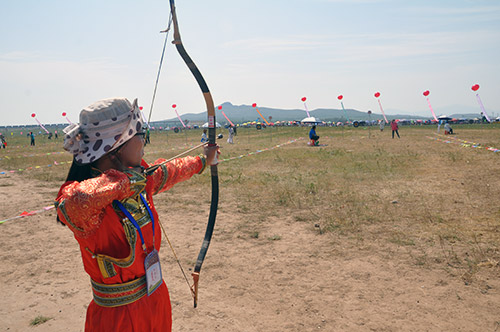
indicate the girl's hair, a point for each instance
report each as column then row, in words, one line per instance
column 77, row 172
column 81, row 172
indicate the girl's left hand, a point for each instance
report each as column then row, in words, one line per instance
column 211, row 154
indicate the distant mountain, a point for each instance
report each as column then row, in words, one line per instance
column 244, row 113
column 453, row 111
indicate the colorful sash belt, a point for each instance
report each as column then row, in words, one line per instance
column 119, row 294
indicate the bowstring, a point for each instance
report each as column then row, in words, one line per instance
column 167, row 30
column 176, row 258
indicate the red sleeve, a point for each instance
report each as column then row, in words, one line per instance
column 175, row 171
column 80, row 205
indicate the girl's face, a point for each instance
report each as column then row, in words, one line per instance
column 130, row 154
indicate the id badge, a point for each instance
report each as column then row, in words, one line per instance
column 153, row 271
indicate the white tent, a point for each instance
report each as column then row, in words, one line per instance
column 205, row 125
column 444, row 117
column 311, row 119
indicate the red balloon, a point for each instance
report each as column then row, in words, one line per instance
column 174, row 106
column 426, row 93
column 475, row 87
column 64, row 114
column 377, row 94
column 254, row 105
column 33, row 115
column 303, row 98
column 220, row 107
column 140, row 107
column 340, row 97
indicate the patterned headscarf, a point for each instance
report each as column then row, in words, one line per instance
column 104, row 126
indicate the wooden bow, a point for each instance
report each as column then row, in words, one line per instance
column 211, row 142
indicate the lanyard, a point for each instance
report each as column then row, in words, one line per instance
column 134, row 222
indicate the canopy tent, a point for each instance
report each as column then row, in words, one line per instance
column 205, row 125
column 311, row 119
column 444, row 118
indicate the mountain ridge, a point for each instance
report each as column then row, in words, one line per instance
column 244, row 113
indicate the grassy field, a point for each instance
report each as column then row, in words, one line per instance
column 438, row 200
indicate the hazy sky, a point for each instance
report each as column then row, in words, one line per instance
column 60, row 56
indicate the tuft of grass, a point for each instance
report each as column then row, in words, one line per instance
column 254, row 235
column 455, row 156
column 401, row 240
column 421, row 260
column 39, row 320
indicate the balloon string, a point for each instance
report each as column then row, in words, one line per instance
column 307, row 111
column 381, row 109
column 263, row 118
column 432, row 111
column 144, row 119
column 232, row 124
column 178, row 117
column 41, row 125
column 482, row 107
column 345, row 113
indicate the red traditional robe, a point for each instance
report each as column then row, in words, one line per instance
column 111, row 248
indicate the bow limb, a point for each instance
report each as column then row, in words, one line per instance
column 211, row 142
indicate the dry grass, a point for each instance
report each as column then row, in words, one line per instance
column 39, row 320
column 438, row 201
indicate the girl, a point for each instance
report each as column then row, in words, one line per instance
column 107, row 202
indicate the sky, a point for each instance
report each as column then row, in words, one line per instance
column 60, row 56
